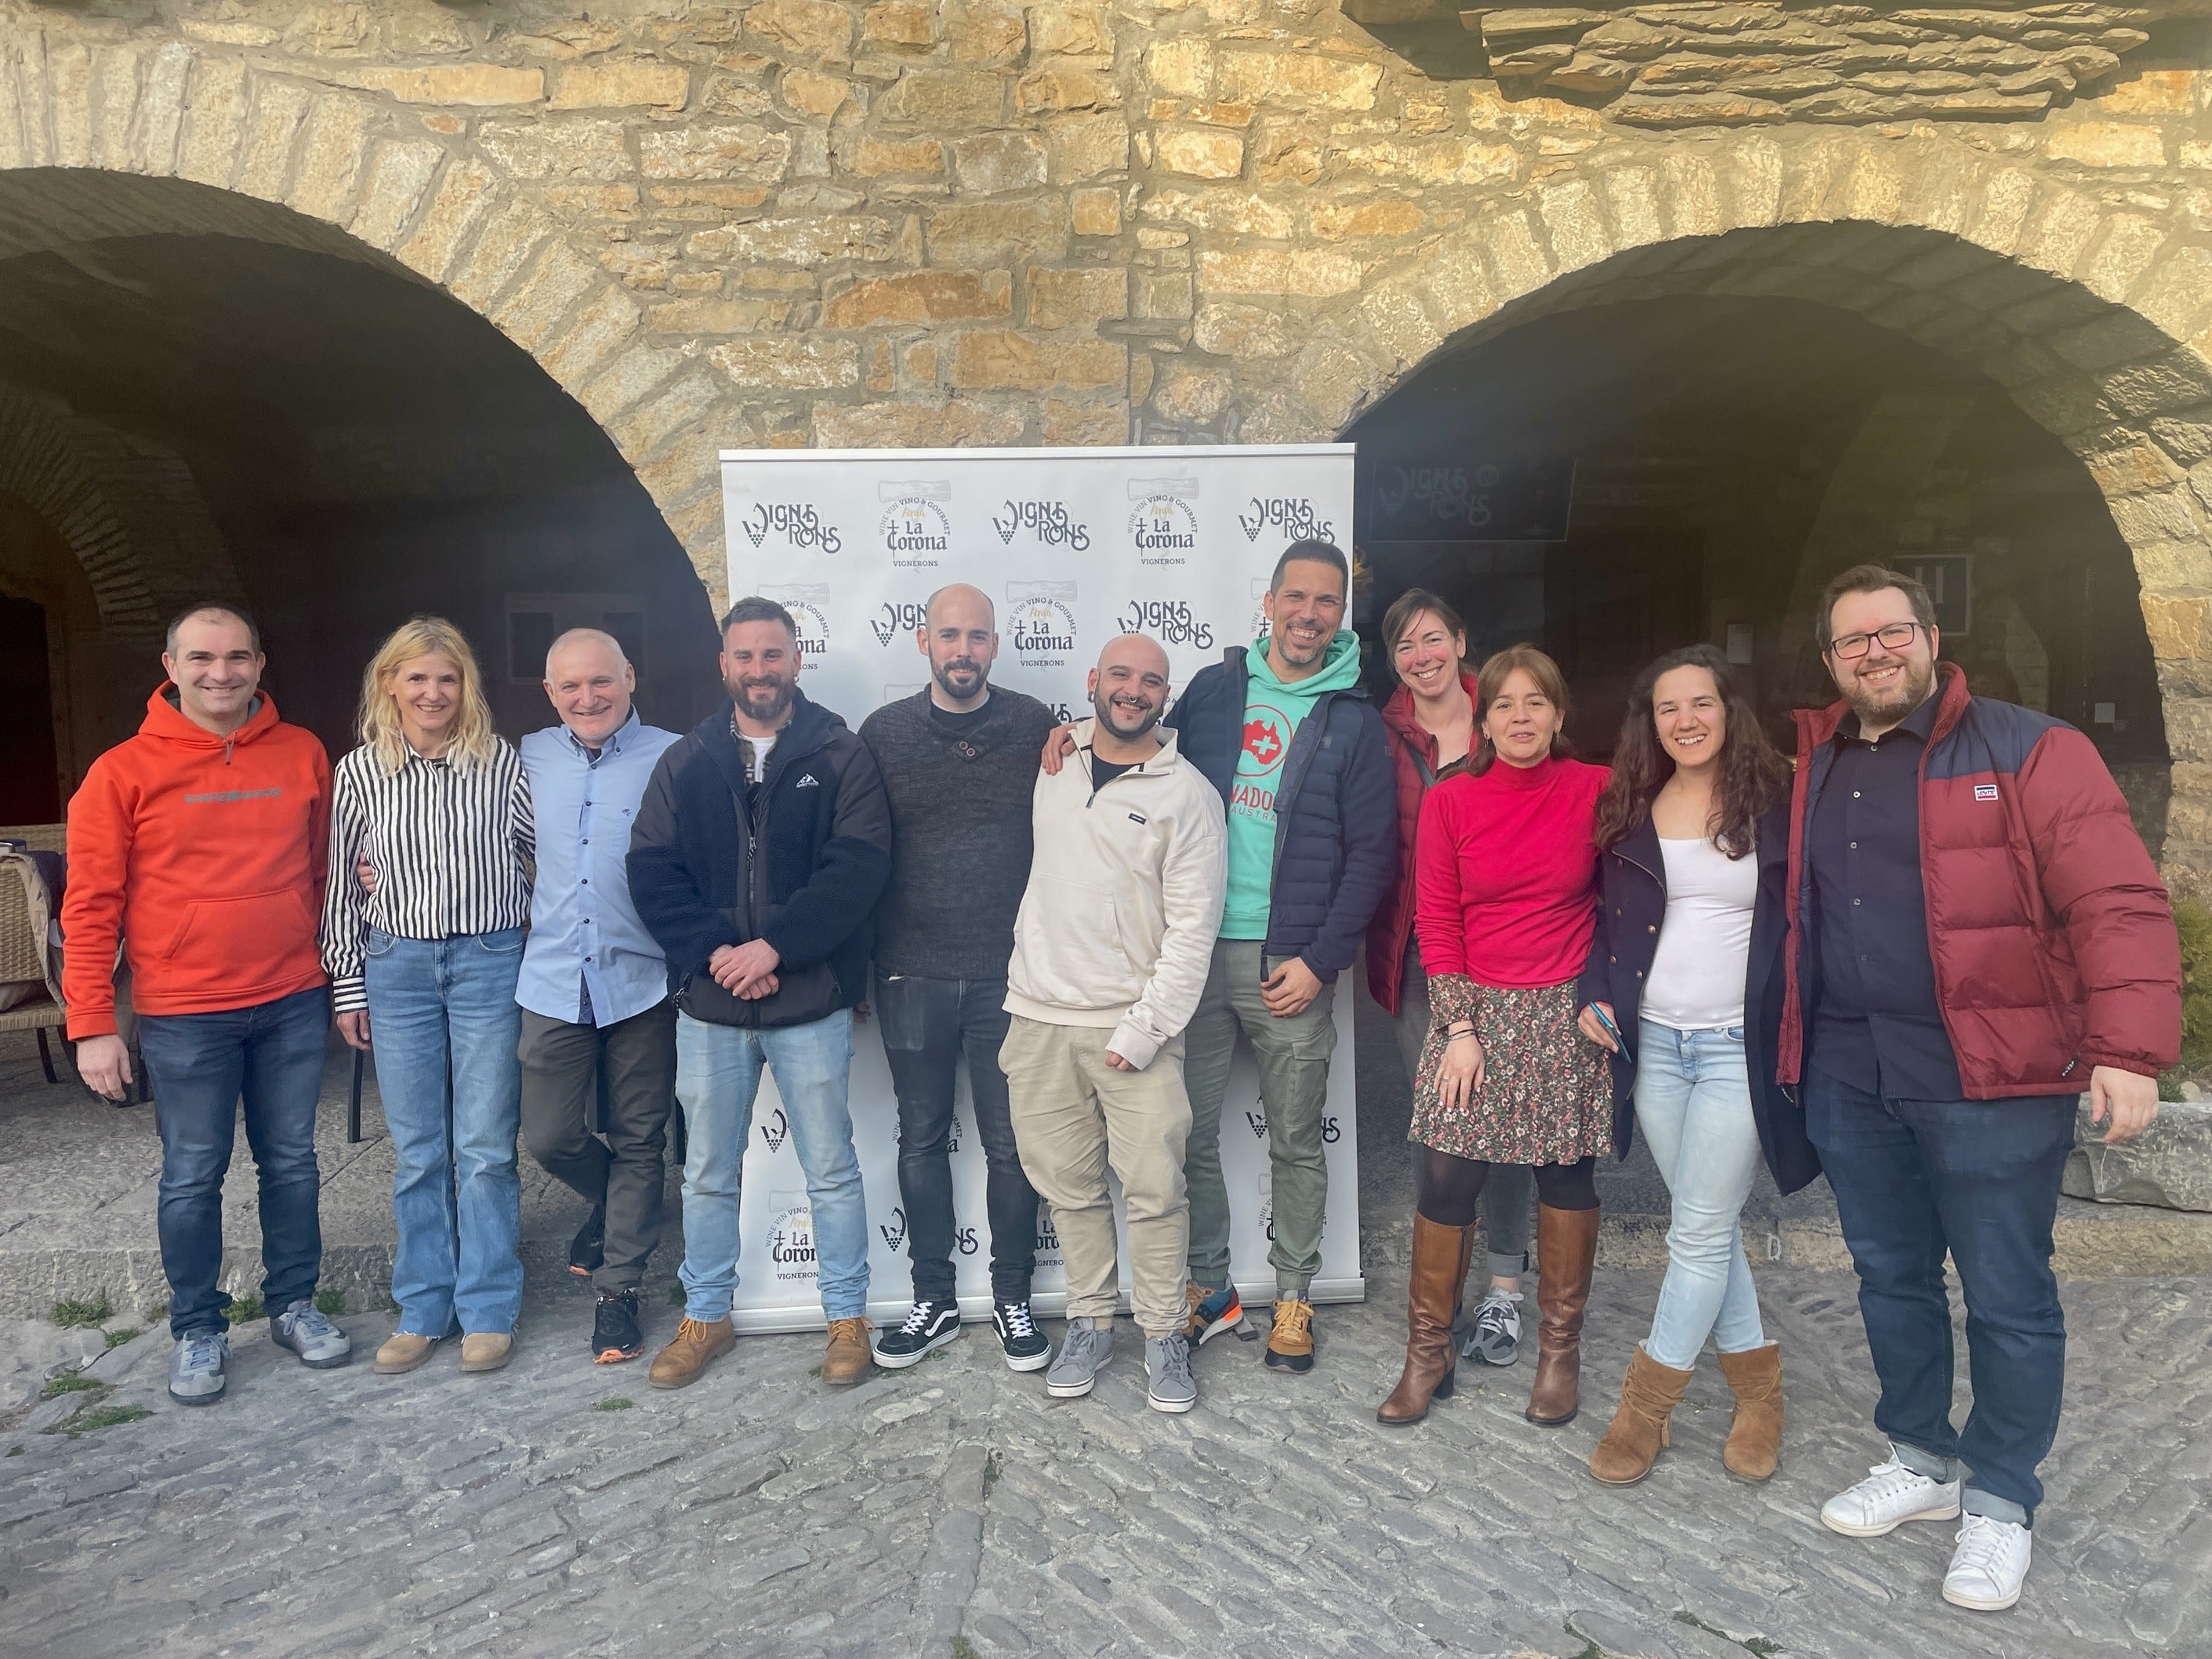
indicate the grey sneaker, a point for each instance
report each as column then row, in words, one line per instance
column 303, row 1328
column 1167, row 1363
column 196, row 1369
column 1082, row 1354
column 1495, row 1337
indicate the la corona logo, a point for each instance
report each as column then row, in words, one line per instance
column 1041, row 622
column 916, row 530
column 798, row 524
column 1163, row 529
column 1295, row 516
column 1170, row 621
column 808, row 602
column 791, row 1241
column 1049, row 523
column 896, row 617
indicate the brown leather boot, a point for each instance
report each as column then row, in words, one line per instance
column 1648, row 1395
column 1754, row 1442
column 1465, row 1259
column 1439, row 1252
column 696, row 1341
column 847, row 1358
column 1566, row 1247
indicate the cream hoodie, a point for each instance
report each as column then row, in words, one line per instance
column 1117, row 925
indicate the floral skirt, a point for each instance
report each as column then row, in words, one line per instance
column 1546, row 1090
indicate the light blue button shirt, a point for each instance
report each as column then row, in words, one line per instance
column 585, row 937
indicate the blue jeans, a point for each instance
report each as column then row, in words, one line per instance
column 1693, row 1105
column 1979, row 1178
column 201, row 1066
column 718, row 1071
column 443, row 1023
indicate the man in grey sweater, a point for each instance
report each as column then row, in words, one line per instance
column 959, row 760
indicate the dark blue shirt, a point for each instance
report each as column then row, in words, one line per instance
column 1876, row 1023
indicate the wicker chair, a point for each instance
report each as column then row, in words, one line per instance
column 30, row 963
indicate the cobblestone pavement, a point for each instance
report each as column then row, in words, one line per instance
column 951, row 1509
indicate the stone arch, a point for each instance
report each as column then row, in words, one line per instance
column 128, row 507
column 379, row 174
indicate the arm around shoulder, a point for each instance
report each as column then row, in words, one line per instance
column 1194, row 875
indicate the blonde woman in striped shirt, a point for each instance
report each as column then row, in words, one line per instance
column 423, row 958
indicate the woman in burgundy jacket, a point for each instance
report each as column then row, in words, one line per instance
column 1431, row 721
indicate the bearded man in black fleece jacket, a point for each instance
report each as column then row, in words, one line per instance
column 757, row 855
column 959, row 762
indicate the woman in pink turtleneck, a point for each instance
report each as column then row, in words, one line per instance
column 1506, row 891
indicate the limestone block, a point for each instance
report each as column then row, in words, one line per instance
column 666, row 414
column 986, row 32
column 800, row 241
column 921, row 296
column 1164, row 295
column 900, row 25
column 160, row 108
column 1066, row 31
column 634, row 375
column 214, row 124
column 503, row 248
column 1577, row 229
column 1345, row 222
column 466, row 194
column 2155, row 92
column 1333, row 380
column 1314, row 273
column 1199, row 152
column 1514, row 257
column 2179, row 628
column 1401, row 323
column 996, row 234
column 905, row 425
column 1081, row 298
column 562, row 276
column 952, row 100
column 872, row 158
column 114, row 96
column 1228, row 329
column 802, row 363
column 399, row 172
column 608, row 318
column 2168, row 1164
column 2178, row 293
column 1305, row 79
column 69, row 81
column 332, row 150
column 1191, row 397
column 1096, row 212
column 1443, row 162
column 818, row 96
column 1049, row 91
column 1182, row 65
column 622, row 83
column 736, row 95
column 1068, row 422
column 2107, row 144
column 472, row 85
column 814, row 28
column 1087, row 147
column 742, row 150
column 994, row 163
column 1007, row 359
column 569, row 38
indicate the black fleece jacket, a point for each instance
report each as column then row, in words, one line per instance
column 803, row 873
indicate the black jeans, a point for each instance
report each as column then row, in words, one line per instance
column 926, row 1025
column 201, row 1066
column 627, row 1172
column 1978, row 1178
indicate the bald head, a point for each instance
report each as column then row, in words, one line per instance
column 1141, row 651
column 960, row 637
column 1128, row 695
column 589, row 681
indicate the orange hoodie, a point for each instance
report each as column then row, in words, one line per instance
column 206, row 856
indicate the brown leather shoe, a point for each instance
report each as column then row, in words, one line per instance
column 1648, row 1395
column 1291, row 1344
column 403, row 1352
column 848, row 1359
column 1440, row 1255
column 1566, row 1248
column 486, row 1351
column 695, row 1342
column 1754, row 1451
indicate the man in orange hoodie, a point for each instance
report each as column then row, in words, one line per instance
column 199, row 848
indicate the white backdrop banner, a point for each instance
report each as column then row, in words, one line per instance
column 1074, row 546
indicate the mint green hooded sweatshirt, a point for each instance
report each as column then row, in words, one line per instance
column 1273, row 711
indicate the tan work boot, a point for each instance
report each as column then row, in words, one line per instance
column 1291, row 1344
column 848, row 1359
column 486, row 1351
column 695, row 1342
column 403, row 1352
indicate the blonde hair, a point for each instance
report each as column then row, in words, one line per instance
column 474, row 740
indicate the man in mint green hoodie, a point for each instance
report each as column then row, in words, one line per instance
column 1296, row 752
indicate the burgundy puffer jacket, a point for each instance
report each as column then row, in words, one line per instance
column 1391, row 929
column 2052, row 937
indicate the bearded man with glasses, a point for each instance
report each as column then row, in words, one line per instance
column 1977, row 936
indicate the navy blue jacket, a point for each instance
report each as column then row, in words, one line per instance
column 1633, row 878
column 803, row 873
column 1336, row 813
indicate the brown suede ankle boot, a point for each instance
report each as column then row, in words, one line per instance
column 1566, row 1248
column 1754, row 1442
column 1438, row 1253
column 1648, row 1395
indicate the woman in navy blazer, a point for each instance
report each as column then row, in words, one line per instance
column 1684, row 988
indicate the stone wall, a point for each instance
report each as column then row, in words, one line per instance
column 806, row 222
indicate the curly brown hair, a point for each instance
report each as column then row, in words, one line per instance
column 1753, row 775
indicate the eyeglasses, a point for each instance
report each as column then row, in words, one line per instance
column 1894, row 637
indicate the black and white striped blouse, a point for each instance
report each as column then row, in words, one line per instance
column 452, row 849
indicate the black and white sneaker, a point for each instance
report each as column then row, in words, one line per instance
column 1027, row 1347
column 928, row 1326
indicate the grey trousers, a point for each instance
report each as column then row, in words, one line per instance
column 1507, row 1196
column 627, row 1172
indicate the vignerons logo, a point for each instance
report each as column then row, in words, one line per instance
column 774, row 1128
column 1295, row 516
column 799, row 524
column 1049, row 523
column 1170, row 621
column 893, row 1230
column 897, row 618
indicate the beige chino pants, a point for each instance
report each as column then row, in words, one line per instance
column 1074, row 1117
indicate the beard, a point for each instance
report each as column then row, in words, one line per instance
column 764, row 700
column 961, row 679
column 1301, row 656
column 1912, row 688
column 1113, row 717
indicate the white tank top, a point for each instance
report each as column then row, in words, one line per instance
column 1696, row 981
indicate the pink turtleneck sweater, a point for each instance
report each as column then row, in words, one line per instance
column 1506, row 873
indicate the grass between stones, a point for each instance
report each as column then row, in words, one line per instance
column 72, row 1313
column 70, row 1382
column 616, row 1404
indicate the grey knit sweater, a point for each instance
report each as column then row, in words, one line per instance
column 960, row 823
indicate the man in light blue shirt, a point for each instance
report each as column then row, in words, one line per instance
column 594, row 987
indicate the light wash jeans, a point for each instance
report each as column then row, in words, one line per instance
column 718, row 1071
column 443, row 1021
column 1693, row 1105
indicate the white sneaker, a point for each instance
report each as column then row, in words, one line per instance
column 1890, row 1495
column 1990, row 1564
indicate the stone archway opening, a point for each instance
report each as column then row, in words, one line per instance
column 1684, row 442
column 201, row 394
